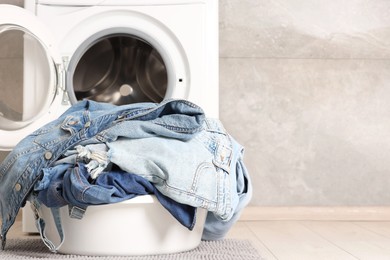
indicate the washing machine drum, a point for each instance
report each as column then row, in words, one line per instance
column 118, row 69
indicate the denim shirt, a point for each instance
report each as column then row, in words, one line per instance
column 87, row 122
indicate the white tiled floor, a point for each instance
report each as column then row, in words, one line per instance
column 314, row 240
column 301, row 240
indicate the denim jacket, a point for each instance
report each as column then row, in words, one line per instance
column 85, row 123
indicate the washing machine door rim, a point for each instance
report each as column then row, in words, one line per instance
column 19, row 19
column 58, row 101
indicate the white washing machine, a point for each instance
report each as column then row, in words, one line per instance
column 116, row 51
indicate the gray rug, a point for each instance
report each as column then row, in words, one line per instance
column 228, row 249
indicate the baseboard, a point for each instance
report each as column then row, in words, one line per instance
column 316, row 213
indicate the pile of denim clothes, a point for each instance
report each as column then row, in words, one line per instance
column 99, row 153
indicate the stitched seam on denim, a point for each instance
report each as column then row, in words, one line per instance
column 179, row 129
column 30, row 168
column 6, row 167
column 57, row 141
column 184, row 101
column 228, row 203
column 167, row 186
column 219, row 193
column 145, row 111
column 103, row 118
column 161, row 105
column 198, row 173
column 85, row 187
column 134, row 114
column 100, row 135
column 7, row 224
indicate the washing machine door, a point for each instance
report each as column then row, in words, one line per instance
column 28, row 74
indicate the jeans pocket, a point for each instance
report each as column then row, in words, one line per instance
column 205, row 183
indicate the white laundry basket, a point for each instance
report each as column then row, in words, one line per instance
column 140, row 226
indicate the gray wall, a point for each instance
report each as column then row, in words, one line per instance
column 305, row 87
column 12, row 2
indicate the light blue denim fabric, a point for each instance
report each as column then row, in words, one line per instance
column 87, row 122
column 241, row 188
column 206, row 171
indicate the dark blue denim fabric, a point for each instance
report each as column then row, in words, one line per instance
column 73, row 186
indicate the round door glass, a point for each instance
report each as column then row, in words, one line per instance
column 27, row 85
column 120, row 69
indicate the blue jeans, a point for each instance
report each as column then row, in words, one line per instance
column 68, row 185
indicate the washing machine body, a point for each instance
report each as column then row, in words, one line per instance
column 117, row 51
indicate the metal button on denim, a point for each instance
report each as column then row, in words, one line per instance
column 48, row 155
column 18, row 187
